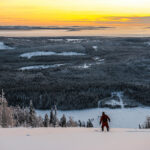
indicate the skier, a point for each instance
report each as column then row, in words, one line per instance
column 104, row 121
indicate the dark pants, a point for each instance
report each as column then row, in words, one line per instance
column 105, row 124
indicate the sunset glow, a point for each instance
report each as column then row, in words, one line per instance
column 75, row 12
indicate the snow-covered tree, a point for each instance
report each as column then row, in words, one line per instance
column 6, row 113
column 79, row 123
column 63, row 121
column 32, row 117
column 72, row 123
column 51, row 116
column 46, row 121
column 147, row 123
column 55, row 116
column 89, row 123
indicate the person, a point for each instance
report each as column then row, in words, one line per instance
column 104, row 121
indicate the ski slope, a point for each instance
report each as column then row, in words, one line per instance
column 73, row 139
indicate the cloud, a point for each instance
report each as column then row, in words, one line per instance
column 124, row 20
column 68, row 28
column 100, row 23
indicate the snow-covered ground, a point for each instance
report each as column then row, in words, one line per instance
column 84, row 66
column 120, row 118
column 40, row 67
column 42, row 53
column 97, row 60
column 3, row 46
column 73, row 139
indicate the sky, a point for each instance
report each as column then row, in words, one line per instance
column 75, row 12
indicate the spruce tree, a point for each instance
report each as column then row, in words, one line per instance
column 32, row 115
column 55, row 121
column 6, row 112
column 51, row 116
column 63, row 121
column 46, row 121
column 89, row 124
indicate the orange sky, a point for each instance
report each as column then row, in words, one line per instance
column 75, row 12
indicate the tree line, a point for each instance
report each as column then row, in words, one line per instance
column 26, row 117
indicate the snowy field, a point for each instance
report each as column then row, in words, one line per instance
column 73, row 139
column 120, row 118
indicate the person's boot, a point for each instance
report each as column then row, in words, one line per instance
column 107, row 129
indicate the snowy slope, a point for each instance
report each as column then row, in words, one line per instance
column 73, row 139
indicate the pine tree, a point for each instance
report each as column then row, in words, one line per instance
column 46, row 121
column 89, row 124
column 55, row 110
column 32, row 115
column 80, row 123
column 72, row 123
column 51, row 116
column 55, row 121
column 5, row 112
column 4, row 115
column 63, row 121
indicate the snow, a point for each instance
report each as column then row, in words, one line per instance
column 55, row 40
column 41, row 53
column 120, row 94
column 113, row 102
column 97, row 60
column 84, row 66
column 120, row 118
column 74, row 40
column 73, row 139
column 3, row 46
column 40, row 67
column 95, row 48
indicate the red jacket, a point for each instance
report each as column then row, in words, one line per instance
column 104, row 119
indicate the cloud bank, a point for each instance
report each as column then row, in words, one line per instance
column 68, row 28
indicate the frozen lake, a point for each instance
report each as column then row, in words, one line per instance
column 120, row 118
